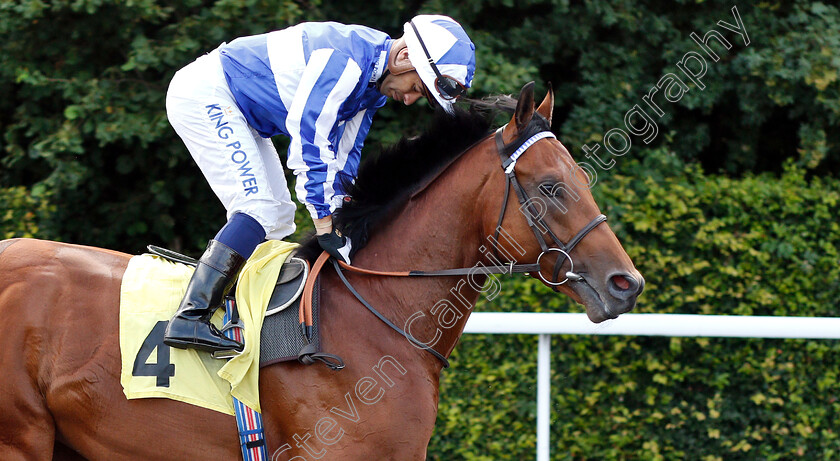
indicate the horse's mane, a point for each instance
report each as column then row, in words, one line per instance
column 387, row 180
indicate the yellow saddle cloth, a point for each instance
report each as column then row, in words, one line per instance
column 151, row 291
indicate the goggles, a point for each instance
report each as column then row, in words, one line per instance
column 447, row 87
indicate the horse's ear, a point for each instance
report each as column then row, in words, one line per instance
column 525, row 107
column 546, row 108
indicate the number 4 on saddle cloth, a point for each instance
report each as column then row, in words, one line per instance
column 265, row 314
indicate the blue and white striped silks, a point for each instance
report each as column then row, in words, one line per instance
column 316, row 83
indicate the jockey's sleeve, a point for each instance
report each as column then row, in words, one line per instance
column 352, row 140
column 328, row 79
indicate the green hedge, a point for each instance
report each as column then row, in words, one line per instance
column 84, row 85
column 22, row 211
column 760, row 245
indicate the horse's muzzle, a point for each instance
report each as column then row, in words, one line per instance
column 616, row 298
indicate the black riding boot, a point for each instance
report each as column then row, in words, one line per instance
column 213, row 277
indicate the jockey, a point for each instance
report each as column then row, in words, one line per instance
column 319, row 84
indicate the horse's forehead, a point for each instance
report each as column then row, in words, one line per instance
column 555, row 153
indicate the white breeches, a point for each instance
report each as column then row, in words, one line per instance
column 242, row 167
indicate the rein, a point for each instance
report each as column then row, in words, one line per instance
column 375, row 312
column 537, row 129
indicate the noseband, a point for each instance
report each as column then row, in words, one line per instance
column 538, row 128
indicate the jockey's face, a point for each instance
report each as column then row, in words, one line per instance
column 402, row 83
column 406, row 88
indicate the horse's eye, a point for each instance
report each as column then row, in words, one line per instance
column 549, row 190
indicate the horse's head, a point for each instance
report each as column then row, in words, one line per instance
column 554, row 219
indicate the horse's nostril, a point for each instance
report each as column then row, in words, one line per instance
column 624, row 286
column 621, row 282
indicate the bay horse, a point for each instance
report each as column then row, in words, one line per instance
column 436, row 202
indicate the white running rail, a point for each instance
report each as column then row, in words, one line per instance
column 547, row 324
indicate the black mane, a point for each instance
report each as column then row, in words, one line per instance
column 388, row 179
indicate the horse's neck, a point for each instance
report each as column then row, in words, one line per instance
column 438, row 229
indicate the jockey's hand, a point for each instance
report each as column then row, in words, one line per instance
column 337, row 245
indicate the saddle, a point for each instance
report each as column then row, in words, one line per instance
column 286, row 334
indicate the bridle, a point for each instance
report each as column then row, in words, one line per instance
column 537, row 129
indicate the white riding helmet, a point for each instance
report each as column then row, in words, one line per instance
column 443, row 55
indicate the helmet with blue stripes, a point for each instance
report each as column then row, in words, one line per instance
column 443, row 55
